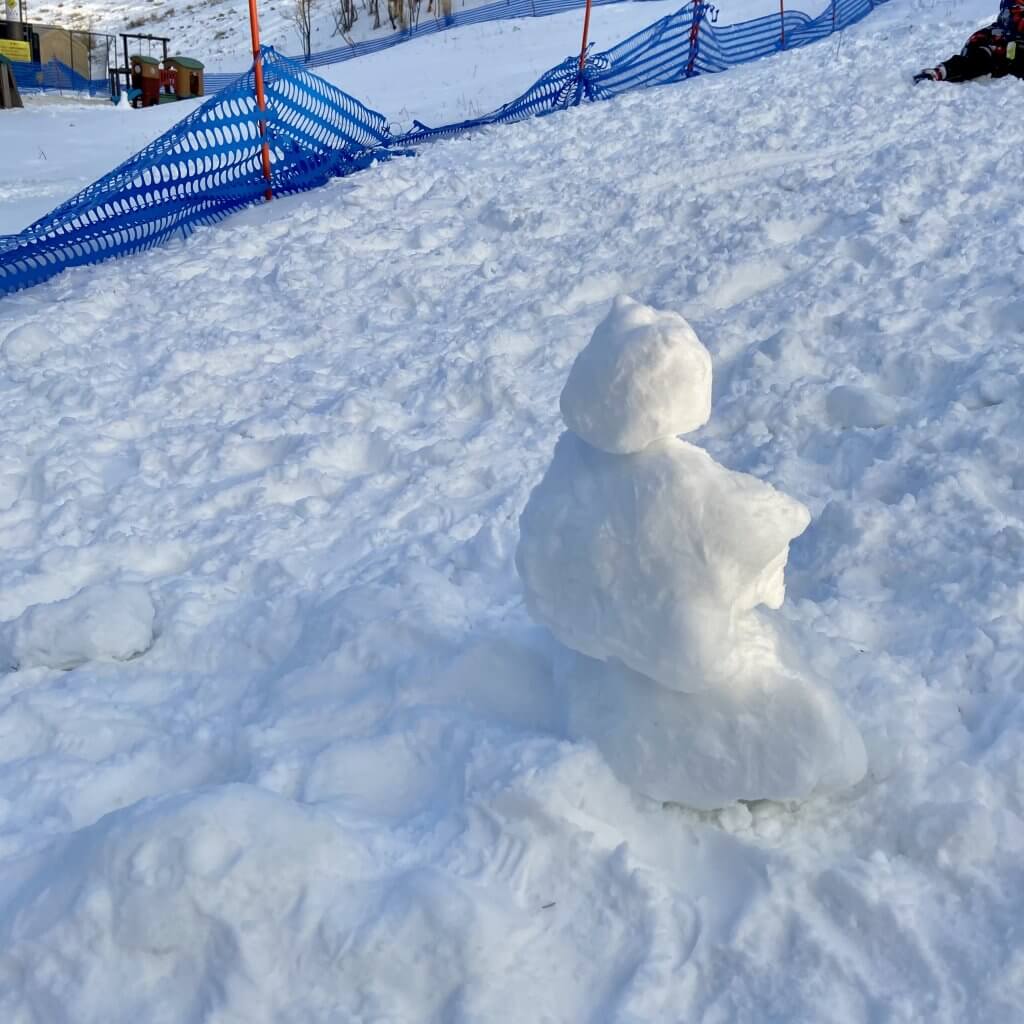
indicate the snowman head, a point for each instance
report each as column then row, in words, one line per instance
column 643, row 375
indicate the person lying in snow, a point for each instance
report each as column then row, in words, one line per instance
column 990, row 51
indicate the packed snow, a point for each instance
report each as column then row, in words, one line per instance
column 339, row 780
column 98, row 623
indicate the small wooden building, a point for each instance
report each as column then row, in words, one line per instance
column 189, row 74
column 146, row 78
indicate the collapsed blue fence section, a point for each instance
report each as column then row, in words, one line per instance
column 204, row 168
column 210, row 164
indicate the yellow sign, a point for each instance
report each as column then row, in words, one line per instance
column 15, row 50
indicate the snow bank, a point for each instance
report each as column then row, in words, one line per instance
column 179, row 903
column 103, row 622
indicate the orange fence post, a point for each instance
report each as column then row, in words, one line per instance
column 698, row 17
column 586, row 31
column 261, row 101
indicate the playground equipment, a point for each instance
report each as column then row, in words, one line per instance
column 147, row 79
column 184, row 77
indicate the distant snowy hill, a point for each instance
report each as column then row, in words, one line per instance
column 217, row 31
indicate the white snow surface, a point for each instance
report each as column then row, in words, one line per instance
column 340, row 784
column 653, row 558
column 643, row 375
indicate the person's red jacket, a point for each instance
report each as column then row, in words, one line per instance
column 1008, row 27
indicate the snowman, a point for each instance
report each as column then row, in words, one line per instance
column 651, row 563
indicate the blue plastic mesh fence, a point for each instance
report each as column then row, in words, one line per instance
column 657, row 55
column 722, row 47
column 55, row 74
column 674, row 48
column 210, row 164
column 205, row 167
column 742, row 42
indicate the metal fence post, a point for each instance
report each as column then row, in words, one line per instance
column 261, row 101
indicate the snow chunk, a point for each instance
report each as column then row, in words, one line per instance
column 651, row 558
column 850, row 406
column 28, row 344
column 954, row 835
column 644, row 375
column 769, row 736
column 99, row 623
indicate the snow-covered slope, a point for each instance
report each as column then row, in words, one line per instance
column 310, row 765
column 217, row 31
column 61, row 144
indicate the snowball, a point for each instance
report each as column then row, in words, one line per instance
column 27, row 344
column 102, row 622
column 651, row 558
column 644, row 375
column 768, row 735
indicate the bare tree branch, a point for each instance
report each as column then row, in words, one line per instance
column 301, row 16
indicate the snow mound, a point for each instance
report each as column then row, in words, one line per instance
column 774, row 736
column 644, row 375
column 174, row 901
column 651, row 558
column 103, row 622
